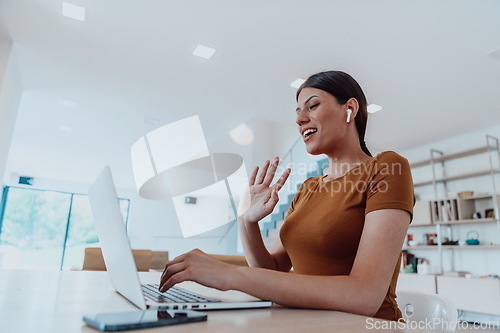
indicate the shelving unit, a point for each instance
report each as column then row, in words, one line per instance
column 444, row 213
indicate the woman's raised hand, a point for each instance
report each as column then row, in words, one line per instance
column 263, row 196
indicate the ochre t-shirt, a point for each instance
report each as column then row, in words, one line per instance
column 323, row 226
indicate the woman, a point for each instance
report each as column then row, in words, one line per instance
column 343, row 233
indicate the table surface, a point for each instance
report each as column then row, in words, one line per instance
column 53, row 301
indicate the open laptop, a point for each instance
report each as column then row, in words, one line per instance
column 122, row 270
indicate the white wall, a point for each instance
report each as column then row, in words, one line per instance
column 284, row 136
column 270, row 139
column 10, row 96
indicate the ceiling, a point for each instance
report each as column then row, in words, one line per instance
column 426, row 62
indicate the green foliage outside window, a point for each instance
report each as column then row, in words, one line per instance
column 34, row 227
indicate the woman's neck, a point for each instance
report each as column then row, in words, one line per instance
column 341, row 162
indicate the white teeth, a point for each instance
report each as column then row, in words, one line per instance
column 309, row 131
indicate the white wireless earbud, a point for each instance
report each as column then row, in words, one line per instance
column 349, row 112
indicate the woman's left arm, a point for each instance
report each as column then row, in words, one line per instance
column 361, row 292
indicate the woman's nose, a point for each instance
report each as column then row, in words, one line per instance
column 302, row 117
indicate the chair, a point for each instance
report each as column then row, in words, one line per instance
column 423, row 307
column 159, row 260
column 94, row 261
column 231, row 259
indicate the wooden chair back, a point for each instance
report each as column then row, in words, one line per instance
column 94, row 261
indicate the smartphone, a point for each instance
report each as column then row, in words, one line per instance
column 120, row 321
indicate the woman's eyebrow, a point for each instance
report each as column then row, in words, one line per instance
column 307, row 100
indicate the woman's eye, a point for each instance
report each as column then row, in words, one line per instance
column 312, row 107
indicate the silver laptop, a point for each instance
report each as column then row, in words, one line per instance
column 122, row 270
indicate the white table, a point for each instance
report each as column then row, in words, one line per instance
column 52, row 301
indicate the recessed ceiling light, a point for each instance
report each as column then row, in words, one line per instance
column 67, row 103
column 65, row 128
column 242, row 134
column 203, row 51
column 297, row 83
column 372, row 108
column 73, row 11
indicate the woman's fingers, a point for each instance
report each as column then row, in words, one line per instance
column 273, row 199
column 172, row 262
column 262, row 173
column 254, row 175
column 271, row 171
column 279, row 184
column 175, row 279
column 169, row 272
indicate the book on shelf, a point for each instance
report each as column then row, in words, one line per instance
column 435, row 211
column 445, row 217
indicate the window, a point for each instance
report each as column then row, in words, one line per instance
column 46, row 229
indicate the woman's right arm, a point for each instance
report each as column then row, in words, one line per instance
column 263, row 199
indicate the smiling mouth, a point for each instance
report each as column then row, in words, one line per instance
column 308, row 133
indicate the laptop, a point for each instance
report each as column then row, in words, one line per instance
column 122, row 270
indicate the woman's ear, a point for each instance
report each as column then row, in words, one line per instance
column 353, row 105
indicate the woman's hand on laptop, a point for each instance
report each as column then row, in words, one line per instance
column 199, row 267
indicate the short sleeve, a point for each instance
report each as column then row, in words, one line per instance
column 391, row 186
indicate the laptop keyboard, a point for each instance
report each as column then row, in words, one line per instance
column 174, row 295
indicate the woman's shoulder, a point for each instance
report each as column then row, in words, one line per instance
column 390, row 163
column 390, row 156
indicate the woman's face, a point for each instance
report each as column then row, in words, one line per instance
column 321, row 120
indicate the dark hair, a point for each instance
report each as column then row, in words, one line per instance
column 343, row 87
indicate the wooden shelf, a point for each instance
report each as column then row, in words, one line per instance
column 458, row 177
column 482, row 196
column 473, row 278
column 420, row 247
column 421, row 225
column 472, row 247
column 454, row 247
column 449, row 157
column 468, row 221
